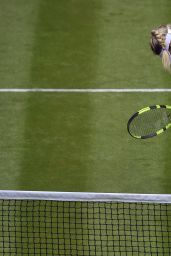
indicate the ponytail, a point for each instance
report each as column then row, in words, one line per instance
column 166, row 60
column 160, row 42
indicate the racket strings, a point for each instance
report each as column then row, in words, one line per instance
column 149, row 122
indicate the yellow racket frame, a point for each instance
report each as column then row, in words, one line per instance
column 140, row 112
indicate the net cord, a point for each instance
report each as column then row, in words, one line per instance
column 85, row 196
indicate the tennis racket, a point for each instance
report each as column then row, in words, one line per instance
column 150, row 121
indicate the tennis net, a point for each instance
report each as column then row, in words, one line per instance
column 78, row 224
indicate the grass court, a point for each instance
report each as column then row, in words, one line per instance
column 56, row 141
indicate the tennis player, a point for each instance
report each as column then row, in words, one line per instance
column 161, row 44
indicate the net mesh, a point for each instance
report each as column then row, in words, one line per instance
column 40, row 227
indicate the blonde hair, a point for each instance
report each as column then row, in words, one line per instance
column 158, row 46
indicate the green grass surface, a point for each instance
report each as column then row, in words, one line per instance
column 93, row 43
column 79, row 142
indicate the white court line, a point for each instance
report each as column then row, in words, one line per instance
column 83, row 90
